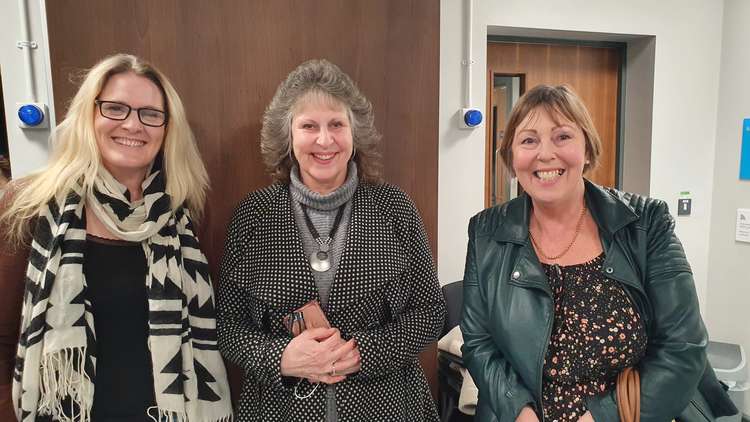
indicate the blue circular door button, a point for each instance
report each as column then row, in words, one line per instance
column 31, row 115
column 473, row 118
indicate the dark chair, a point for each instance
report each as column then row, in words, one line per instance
column 454, row 302
column 449, row 379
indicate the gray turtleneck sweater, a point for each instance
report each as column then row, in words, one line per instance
column 322, row 211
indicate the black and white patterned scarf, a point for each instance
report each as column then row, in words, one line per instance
column 56, row 362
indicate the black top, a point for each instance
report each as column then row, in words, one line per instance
column 596, row 334
column 115, row 276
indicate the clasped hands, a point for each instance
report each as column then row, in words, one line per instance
column 321, row 356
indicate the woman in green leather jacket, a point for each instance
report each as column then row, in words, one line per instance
column 570, row 283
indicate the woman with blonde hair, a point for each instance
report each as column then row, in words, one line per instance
column 117, row 313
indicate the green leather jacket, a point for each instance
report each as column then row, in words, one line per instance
column 508, row 311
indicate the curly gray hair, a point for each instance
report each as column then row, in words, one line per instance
column 319, row 77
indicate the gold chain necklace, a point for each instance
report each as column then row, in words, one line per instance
column 570, row 245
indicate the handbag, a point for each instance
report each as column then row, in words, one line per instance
column 629, row 395
column 309, row 315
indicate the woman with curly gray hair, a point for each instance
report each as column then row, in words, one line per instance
column 330, row 236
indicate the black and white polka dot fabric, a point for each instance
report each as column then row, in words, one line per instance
column 385, row 294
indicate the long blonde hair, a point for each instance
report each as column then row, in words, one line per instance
column 75, row 156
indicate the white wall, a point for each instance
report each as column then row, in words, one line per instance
column 685, row 93
column 28, row 148
column 728, row 276
column 638, row 111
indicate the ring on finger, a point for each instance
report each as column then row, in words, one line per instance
column 333, row 369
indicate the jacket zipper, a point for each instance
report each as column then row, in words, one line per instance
column 541, row 368
column 642, row 305
column 550, row 319
column 547, row 337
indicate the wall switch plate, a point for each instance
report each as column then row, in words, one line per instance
column 684, row 206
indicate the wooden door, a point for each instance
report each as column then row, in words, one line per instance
column 226, row 59
column 592, row 72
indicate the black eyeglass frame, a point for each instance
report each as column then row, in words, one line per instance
column 130, row 110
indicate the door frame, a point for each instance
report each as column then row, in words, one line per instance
column 491, row 130
column 621, row 48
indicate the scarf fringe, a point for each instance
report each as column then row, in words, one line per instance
column 63, row 377
column 173, row 416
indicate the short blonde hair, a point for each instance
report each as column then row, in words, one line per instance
column 75, row 156
column 557, row 101
column 319, row 80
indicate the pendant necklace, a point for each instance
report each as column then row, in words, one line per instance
column 320, row 261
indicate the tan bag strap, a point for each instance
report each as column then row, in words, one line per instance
column 629, row 395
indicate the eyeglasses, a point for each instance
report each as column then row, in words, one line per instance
column 119, row 111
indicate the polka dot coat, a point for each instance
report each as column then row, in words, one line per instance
column 385, row 294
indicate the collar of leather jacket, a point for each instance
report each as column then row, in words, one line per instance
column 609, row 209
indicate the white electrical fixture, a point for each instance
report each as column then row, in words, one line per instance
column 469, row 116
column 32, row 116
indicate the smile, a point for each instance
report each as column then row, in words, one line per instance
column 549, row 175
column 129, row 142
column 324, row 156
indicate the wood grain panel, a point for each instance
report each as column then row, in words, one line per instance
column 591, row 71
column 227, row 57
column 3, row 129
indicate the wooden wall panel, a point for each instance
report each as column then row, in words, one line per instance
column 227, row 57
column 591, row 71
column 3, row 131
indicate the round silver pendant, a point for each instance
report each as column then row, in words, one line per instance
column 320, row 262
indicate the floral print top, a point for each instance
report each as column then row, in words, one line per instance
column 596, row 333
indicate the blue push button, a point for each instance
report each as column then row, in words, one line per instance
column 473, row 118
column 31, row 115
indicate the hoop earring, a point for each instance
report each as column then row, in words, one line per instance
column 354, row 154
